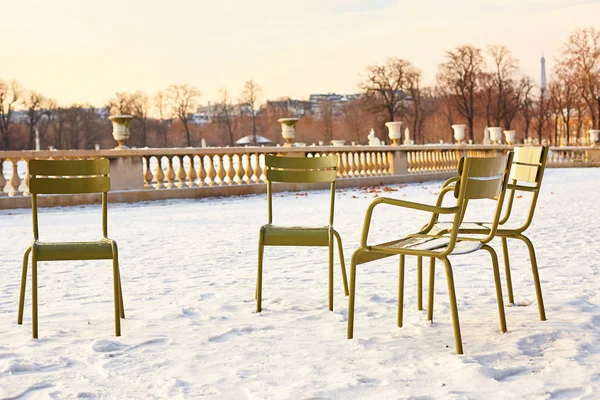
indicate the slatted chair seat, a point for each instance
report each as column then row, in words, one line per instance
column 295, row 235
column 64, row 251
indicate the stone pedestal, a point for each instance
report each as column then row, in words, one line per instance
column 126, row 173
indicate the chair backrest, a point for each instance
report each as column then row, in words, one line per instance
column 69, row 177
column 527, row 172
column 301, row 170
column 482, row 178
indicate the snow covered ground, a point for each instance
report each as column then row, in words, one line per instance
column 188, row 270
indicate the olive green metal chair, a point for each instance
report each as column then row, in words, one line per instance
column 69, row 177
column 527, row 172
column 480, row 178
column 300, row 170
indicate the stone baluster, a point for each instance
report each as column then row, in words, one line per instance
column 2, row 178
column 191, row 172
column 159, row 175
column 15, row 181
column 229, row 172
column 221, row 170
column 170, row 175
column 201, row 171
column 258, row 169
column 211, row 173
column 345, row 169
column 352, row 159
column 248, row 169
column 148, row 175
column 26, row 191
column 239, row 170
column 181, row 174
column 410, row 162
column 357, row 164
column 339, row 167
column 366, row 158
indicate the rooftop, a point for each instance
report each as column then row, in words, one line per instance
column 189, row 267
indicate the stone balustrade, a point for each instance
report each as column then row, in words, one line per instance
column 147, row 174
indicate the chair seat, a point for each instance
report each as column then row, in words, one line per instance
column 295, row 235
column 427, row 243
column 482, row 228
column 56, row 251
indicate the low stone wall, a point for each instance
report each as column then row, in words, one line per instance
column 160, row 174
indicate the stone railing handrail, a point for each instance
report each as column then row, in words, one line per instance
column 183, row 151
column 159, row 173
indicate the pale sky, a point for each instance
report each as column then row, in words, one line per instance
column 85, row 51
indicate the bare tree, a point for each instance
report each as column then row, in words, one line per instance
column 581, row 54
column 460, row 77
column 445, row 97
column 37, row 107
column 140, row 107
column 327, row 112
column 121, row 104
column 182, row 100
column 250, row 96
column 526, row 102
column 354, row 118
column 563, row 92
column 10, row 94
column 162, row 112
column 542, row 113
column 505, row 67
column 389, row 84
column 224, row 113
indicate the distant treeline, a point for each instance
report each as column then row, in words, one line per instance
column 477, row 87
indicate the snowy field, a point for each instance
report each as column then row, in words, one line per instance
column 189, row 268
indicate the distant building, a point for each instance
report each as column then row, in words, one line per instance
column 337, row 101
column 294, row 108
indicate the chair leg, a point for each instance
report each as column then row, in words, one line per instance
column 34, row 294
column 116, row 289
column 258, row 293
column 509, row 287
column 330, row 272
column 419, row 283
column 536, row 276
column 342, row 263
column 431, row 289
column 121, row 296
column 453, row 307
column 352, row 293
column 401, row 290
column 23, row 286
column 498, row 284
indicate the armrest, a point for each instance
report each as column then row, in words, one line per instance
column 440, row 200
column 399, row 203
column 450, row 181
column 418, row 206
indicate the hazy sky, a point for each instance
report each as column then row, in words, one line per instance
column 85, row 51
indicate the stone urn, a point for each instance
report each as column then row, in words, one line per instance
column 288, row 129
column 121, row 129
column 495, row 134
column 336, row 142
column 459, row 133
column 510, row 136
column 395, row 131
column 594, row 134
